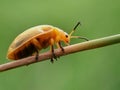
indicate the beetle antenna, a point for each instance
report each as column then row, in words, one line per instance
column 74, row 28
column 74, row 31
column 76, row 25
column 79, row 37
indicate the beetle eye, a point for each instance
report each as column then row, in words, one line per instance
column 66, row 36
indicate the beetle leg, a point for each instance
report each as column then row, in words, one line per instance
column 53, row 54
column 37, row 47
column 60, row 46
column 36, row 43
column 59, row 43
column 52, row 50
column 37, row 54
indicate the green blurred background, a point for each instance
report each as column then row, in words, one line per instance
column 97, row 69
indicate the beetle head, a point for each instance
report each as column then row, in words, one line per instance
column 62, row 36
column 65, row 38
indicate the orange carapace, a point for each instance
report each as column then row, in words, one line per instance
column 31, row 41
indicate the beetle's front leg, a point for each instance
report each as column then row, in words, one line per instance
column 59, row 44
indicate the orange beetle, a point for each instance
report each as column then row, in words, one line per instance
column 36, row 38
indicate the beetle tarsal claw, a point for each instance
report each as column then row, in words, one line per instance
column 62, row 49
column 54, row 56
column 52, row 61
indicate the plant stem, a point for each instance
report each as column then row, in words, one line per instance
column 96, row 43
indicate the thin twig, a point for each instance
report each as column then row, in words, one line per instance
column 68, row 50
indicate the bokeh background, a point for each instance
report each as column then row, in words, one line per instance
column 97, row 69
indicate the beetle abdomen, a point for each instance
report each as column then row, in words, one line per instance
column 29, row 48
column 25, row 51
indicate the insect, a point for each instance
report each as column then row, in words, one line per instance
column 31, row 41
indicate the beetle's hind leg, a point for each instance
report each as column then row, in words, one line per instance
column 37, row 55
column 37, row 47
